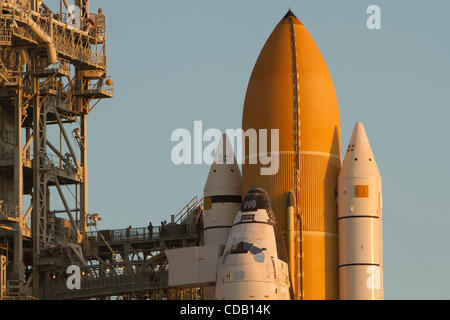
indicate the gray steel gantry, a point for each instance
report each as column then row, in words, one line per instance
column 50, row 74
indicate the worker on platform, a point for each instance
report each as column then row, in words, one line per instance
column 150, row 230
column 128, row 232
column 101, row 81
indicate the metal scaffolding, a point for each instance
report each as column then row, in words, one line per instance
column 52, row 73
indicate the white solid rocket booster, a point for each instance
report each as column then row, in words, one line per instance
column 222, row 199
column 360, row 222
column 252, row 267
column 222, row 195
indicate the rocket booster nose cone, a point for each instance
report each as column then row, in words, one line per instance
column 224, row 175
column 359, row 138
column 290, row 199
column 359, row 159
column 224, row 152
column 290, row 14
column 359, row 132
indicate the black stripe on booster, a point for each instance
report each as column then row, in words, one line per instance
column 359, row 264
column 217, row 227
column 228, row 198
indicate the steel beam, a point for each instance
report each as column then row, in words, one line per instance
column 66, row 138
column 66, row 206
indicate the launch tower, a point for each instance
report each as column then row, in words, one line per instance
column 52, row 73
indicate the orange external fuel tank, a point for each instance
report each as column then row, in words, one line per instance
column 291, row 90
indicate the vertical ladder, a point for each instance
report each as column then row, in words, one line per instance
column 2, row 277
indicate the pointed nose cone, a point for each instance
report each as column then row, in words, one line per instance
column 288, row 15
column 359, row 160
column 291, row 90
column 224, row 176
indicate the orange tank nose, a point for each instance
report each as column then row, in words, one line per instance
column 291, row 90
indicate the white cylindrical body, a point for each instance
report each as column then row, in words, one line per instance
column 222, row 199
column 360, row 222
column 250, row 268
column 222, row 195
column 218, row 219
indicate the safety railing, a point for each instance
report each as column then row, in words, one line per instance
column 5, row 37
column 65, row 38
column 111, row 285
column 120, row 235
column 104, row 84
column 7, row 213
column 170, row 231
column 101, row 86
column 67, row 164
column 188, row 208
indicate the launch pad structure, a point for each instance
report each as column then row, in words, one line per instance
column 52, row 74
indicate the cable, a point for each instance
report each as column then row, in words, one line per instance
column 78, row 202
column 416, row 254
column 250, row 19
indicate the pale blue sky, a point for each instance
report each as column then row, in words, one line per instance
column 174, row 62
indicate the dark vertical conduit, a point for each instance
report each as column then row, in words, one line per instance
column 296, row 145
column 295, row 101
